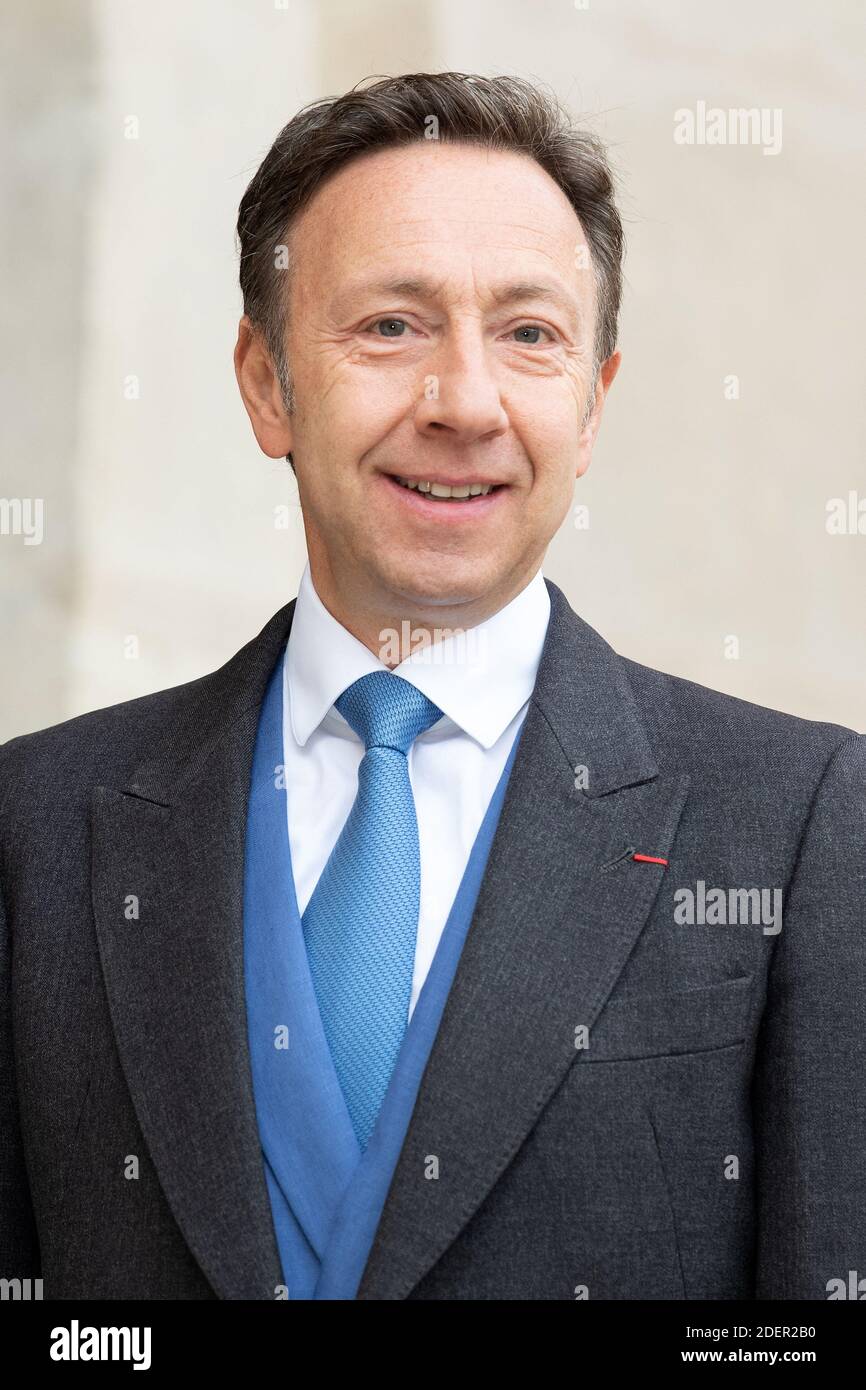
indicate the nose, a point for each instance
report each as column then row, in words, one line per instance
column 460, row 392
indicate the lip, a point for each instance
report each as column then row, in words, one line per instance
column 447, row 513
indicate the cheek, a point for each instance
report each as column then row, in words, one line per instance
column 554, row 466
column 548, row 408
column 359, row 408
column 550, row 439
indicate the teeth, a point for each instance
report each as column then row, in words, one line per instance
column 442, row 490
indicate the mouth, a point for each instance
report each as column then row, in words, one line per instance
column 432, row 497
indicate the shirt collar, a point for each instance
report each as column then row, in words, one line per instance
column 479, row 678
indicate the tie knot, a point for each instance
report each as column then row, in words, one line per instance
column 386, row 711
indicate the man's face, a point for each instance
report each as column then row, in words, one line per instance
column 441, row 331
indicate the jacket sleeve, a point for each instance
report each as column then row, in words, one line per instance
column 19, row 1247
column 809, row 1091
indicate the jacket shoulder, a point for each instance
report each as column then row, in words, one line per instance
column 720, row 728
column 97, row 746
column 107, row 745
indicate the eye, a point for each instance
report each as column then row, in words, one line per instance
column 531, row 328
column 393, row 328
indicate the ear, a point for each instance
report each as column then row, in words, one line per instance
column 260, row 392
column 606, row 374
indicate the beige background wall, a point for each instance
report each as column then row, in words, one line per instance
column 707, row 514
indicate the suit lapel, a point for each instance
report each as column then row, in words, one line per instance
column 167, row 885
column 552, row 930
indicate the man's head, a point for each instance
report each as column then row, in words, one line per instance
column 431, row 271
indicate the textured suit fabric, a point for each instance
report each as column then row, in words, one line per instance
column 709, row 1142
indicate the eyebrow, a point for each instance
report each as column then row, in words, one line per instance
column 502, row 295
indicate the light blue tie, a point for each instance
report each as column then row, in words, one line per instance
column 361, row 923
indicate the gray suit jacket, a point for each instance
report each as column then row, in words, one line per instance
column 623, row 1105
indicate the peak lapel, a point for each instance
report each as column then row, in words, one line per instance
column 172, row 841
column 550, row 934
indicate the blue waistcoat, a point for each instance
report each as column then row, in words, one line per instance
column 326, row 1195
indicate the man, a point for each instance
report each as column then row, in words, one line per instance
column 430, row 949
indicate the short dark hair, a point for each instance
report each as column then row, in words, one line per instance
column 501, row 113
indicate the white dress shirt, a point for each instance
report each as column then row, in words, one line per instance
column 481, row 680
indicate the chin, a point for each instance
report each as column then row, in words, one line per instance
column 441, row 585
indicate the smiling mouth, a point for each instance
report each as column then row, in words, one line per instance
column 442, row 492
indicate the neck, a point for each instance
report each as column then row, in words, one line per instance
column 392, row 625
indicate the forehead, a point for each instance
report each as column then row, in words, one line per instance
column 440, row 204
